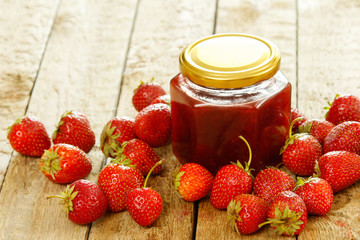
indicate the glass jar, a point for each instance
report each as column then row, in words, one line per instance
column 230, row 85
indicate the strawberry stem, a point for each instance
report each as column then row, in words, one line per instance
column 292, row 138
column 153, row 167
column 317, row 173
column 248, row 146
column 247, row 168
column 292, row 124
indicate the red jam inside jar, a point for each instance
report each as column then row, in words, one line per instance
column 230, row 85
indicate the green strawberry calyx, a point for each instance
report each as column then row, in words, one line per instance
column 122, row 160
column 286, row 222
column 302, row 181
column 177, row 180
column 66, row 199
column 108, row 142
column 142, row 83
column 330, row 104
column 305, row 128
column 17, row 121
column 247, row 168
column 233, row 215
column 292, row 137
column 51, row 162
column 61, row 122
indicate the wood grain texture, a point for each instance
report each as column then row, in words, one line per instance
column 342, row 222
column 161, row 30
column 329, row 59
column 90, row 55
column 276, row 21
column 329, row 53
column 81, row 70
column 25, row 28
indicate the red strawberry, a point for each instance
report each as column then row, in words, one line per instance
column 144, row 204
column 296, row 113
column 230, row 181
column 343, row 108
column 270, row 182
column 83, row 201
column 65, row 163
column 145, row 93
column 317, row 195
column 193, row 181
column 300, row 153
column 317, row 128
column 74, row 128
column 162, row 99
column 246, row 212
column 28, row 136
column 345, row 136
column 116, row 180
column 115, row 132
column 153, row 124
column 287, row 214
column 141, row 155
column 340, row 168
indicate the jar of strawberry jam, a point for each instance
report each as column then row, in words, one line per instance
column 230, row 85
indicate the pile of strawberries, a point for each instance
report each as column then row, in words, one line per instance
column 127, row 142
column 323, row 153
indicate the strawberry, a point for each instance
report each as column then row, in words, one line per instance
column 246, row 212
column 287, row 214
column 162, row 99
column 28, row 136
column 115, row 132
column 116, row 180
column 344, row 108
column 230, row 181
column 294, row 114
column 145, row 93
column 74, row 128
column 153, row 124
column 345, row 136
column 340, row 168
column 141, row 155
column 65, row 163
column 316, row 193
column 270, row 182
column 83, row 201
column 144, row 204
column 300, row 153
column 193, row 181
column 317, row 128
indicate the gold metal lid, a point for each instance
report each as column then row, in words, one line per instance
column 230, row 60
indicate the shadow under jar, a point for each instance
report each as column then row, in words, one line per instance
column 230, row 85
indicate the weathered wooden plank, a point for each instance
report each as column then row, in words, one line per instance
column 276, row 21
column 162, row 29
column 342, row 222
column 81, row 70
column 328, row 64
column 25, row 28
column 329, row 53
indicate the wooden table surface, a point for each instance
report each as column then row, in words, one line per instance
column 89, row 55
